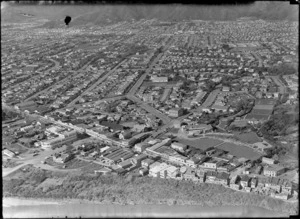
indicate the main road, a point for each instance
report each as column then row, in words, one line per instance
column 131, row 93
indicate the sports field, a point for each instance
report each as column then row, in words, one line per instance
column 239, row 151
column 201, row 143
column 250, row 137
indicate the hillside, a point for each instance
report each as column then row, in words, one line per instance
column 112, row 13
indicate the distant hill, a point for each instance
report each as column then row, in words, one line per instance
column 98, row 15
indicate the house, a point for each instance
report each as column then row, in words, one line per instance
column 147, row 162
column 219, row 108
column 103, row 171
column 247, row 189
column 125, row 135
column 245, row 89
column 261, row 182
column 200, row 127
column 226, row 89
column 211, row 164
column 175, row 112
column 192, row 162
column 207, row 110
column 282, row 196
column 155, row 170
column 159, row 79
column 295, row 194
column 275, row 184
column 223, row 178
column 235, row 186
column 258, row 169
column 274, row 170
column 234, row 179
column 201, row 174
column 143, row 171
column 125, row 164
column 211, row 176
column 286, row 187
column 254, row 182
column 267, row 160
column 8, row 153
column 170, row 172
column 177, row 158
column 190, row 174
column 121, row 171
column 136, row 160
column 63, row 158
column 140, row 147
column 245, row 181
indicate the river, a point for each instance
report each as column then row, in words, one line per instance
column 16, row 208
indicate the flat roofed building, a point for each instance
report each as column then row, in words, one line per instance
column 179, row 146
column 138, row 159
column 169, row 172
column 175, row 112
column 155, row 171
column 147, row 162
column 211, row 164
column 159, row 79
column 8, row 153
column 273, row 170
column 268, row 160
column 140, row 147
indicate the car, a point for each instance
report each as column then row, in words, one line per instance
column 35, row 154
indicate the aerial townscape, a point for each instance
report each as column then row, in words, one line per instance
column 148, row 110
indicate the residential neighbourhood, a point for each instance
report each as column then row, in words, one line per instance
column 189, row 101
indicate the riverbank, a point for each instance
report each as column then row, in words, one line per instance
column 34, row 208
column 110, row 189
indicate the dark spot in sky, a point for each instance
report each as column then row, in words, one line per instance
column 68, row 20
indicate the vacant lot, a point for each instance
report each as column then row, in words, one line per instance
column 239, row 151
column 201, row 143
column 91, row 168
column 250, row 137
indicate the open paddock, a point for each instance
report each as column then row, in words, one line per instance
column 239, row 150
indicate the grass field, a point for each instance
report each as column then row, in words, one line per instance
column 201, row 143
column 239, row 151
column 249, row 137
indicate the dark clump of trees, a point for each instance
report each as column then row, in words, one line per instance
column 278, row 124
column 123, row 189
column 282, row 69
